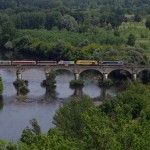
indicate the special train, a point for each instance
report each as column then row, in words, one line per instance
column 61, row 62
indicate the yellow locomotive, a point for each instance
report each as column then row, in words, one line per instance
column 86, row 62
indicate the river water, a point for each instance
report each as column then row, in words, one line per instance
column 40, row 103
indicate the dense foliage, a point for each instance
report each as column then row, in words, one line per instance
column 119, row 123
column 50, row 79
column 1, row 85
column 75, row 29
column 21, row 86
column 83, row 29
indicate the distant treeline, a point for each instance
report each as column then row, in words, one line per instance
column 77, row 4
column 35, row 14
column 75, row 29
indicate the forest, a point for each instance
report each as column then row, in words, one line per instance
column 71, row 30
column 83, row 29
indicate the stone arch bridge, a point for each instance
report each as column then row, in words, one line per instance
column 134, row 70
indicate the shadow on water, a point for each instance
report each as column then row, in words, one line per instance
column 1, row 102
column 50, row 94
column 78, row 91
column 104, row 93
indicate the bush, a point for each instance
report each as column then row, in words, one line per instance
column 50, row 81
column 76, row 83
column 21, row 86
column 105, row 83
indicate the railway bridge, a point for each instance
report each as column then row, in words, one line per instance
column 105, row 70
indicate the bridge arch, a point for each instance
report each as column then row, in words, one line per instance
column 143, row 69
column 34, row 72
column 64, row 69
column 144, row 75
column 92, row 69
column 124, row 69
column 90, row 74
column 120, row 73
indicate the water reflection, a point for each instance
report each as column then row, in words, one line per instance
column 62, row 90
column 78, row 91
column 1, row 102
column 50, row 94
column 40, row 103
column 62, row 85
column 34, row 78
column 8, row 76
column 91, row 88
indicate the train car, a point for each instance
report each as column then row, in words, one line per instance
column 5, row 63
column 111, row 63
column 66, row 63
column 24, row 63
column 86, row 62
column 46, row 63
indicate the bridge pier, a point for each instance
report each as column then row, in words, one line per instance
column 134, row 76
column 105, row 76
column 47, row 75
column 77, row 92
column 76, row 75
column 19, row 74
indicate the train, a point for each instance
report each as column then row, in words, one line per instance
column 111, row 63
column 53, row 63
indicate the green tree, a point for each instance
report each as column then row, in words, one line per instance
column 69, row 117
column 68, row 22
column 35, row 127
column 135, row 55
column 137, row 18
column 29, row 135
column 30, row 20
column 8, row 28
column 52, row 19
column 115, row 19
column 8, row 45
column 147, row 23
column 2, row 144
column 81, row 120
column 131, row 40
column 4, row 18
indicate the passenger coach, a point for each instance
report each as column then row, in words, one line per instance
column 24, row 63
column 110, row 62
column 46, row 63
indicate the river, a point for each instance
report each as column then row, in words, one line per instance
column 40, row 103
